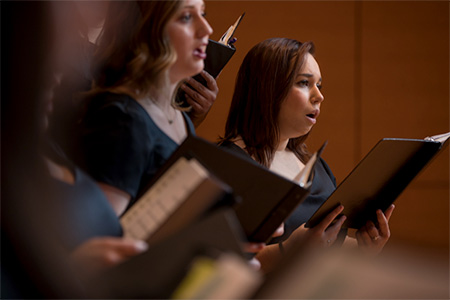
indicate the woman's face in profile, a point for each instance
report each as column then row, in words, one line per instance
column 189, row 33
column 300, row 109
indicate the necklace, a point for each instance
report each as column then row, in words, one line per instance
column 169, row 119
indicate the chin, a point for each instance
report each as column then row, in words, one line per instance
column 199, row 68
column 192, row 72
column 186, row 70
column 303, row 132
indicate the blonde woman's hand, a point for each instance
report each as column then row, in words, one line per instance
column 200, row 97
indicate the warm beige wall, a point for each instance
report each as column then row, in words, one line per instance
column 385, row 67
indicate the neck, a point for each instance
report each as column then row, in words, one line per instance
column 282, row 144
column 164, row 97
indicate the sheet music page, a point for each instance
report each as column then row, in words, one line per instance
column 438, row 138
column 163, row 198
column 225, row 39
column 305, row 176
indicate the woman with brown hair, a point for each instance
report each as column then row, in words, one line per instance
column 275, row 104
column 132, row 124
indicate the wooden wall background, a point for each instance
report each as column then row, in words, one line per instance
column 385, row 68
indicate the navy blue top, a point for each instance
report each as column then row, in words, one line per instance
column 80, row 210
column 324, row 183
column 120, row 144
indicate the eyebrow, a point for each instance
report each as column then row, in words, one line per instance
column 308, row 75
column 193, row 6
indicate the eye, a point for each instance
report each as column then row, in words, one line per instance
column 204, row 14
column 319, row 86
column 303, row 83
column 186, row 17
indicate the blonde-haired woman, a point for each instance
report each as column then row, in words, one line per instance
column 131, row 124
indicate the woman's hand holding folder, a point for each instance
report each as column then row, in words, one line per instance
column 323, row 234
column 200, row 97
column 372, row 237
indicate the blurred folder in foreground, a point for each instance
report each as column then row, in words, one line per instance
column 225, row 277
column 158, row 272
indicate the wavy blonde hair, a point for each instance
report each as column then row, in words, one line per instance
column 134, row 50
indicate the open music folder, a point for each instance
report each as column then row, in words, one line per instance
column 181, row 194
column 263, row 199
column 380, row 177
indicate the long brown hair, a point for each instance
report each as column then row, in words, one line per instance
column 134, row 49
column 265, row 77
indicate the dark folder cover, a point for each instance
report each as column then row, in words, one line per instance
column 378, row 180
column 265, row 199
column 217, row 56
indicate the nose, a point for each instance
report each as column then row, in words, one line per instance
column 204, row 29
column 317, row 96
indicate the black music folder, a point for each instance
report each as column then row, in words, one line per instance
column 263, row 199
column 380, row 177
column 218, row 54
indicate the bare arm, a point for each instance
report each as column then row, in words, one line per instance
column 118, row 199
